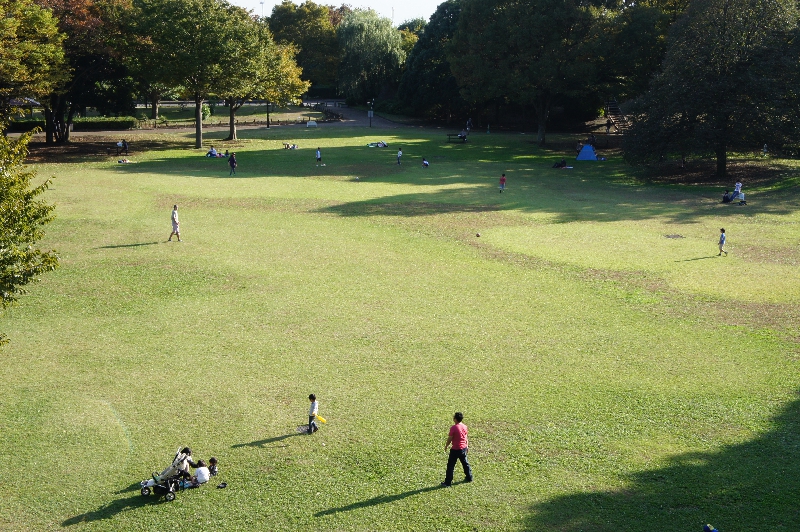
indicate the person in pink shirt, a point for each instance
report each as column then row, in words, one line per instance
column 457, row 441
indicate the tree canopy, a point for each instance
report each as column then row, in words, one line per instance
column 428, row 85
column 371, row 54
column 259, row 69
column 310, row 28
column 31, row 52
column 528, row 53
column 727, row 82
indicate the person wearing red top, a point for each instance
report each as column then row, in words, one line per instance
column 457, row 441
column 502, row 182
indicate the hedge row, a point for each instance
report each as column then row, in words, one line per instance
column 81, row 124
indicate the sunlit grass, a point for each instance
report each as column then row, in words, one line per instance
column 583, row 346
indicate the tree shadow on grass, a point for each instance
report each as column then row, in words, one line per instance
column 750, row 486
column 110, row 510
column 267, row 441
column 375, row 501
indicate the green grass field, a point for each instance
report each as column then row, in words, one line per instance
column 615, row 374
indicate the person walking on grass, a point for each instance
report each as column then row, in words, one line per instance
column 319, row 156
column 232, row 163
column 312, row 414
column 176, row 225
column 399, row 154
column 502, row 182
column 457, row 441
column 722, row 239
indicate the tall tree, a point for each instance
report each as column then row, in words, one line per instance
column 727, row 82
column 524, row 52
column 259, row 69
column 143, row 57
column 92, row 47
column 193, row 41
column 428, row 85
column 32, row 60
column 310, row 28
column 371, row 55
column 23, row 217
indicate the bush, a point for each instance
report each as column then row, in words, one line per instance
column 81, row 124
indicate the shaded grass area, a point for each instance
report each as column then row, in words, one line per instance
column 612, row 378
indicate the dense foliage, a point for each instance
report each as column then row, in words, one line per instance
column 371, row 55
column 23, row 216
column 311, row 28
column 730, row 88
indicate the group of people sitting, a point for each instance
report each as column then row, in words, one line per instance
column 287, row 146
column 379, row 144
column 737, row 194
column 214, row 153
column 561, row 164
column 180, row 468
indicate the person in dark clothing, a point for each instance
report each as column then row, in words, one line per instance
column 232, row 163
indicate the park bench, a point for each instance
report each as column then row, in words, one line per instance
column 455, row 137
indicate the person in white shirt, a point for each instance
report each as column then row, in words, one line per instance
column 201, row 474
column 312, row 414
column 399, row 154
column 737, row 189
column 176, row 225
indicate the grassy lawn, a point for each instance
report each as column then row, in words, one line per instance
column 615, row 374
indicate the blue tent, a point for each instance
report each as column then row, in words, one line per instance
column 587, row 154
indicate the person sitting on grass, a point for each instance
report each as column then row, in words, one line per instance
column 425, row 163
column 212, row 466
column 201, row 476
column 726, row 198
column 212, row 152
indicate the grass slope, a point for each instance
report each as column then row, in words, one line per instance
column 612, row 378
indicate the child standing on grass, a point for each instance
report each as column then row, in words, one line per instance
column 502, row 182
column 232, row 163
column 319, row 156
column 399, row 154
column 722, row 239
column 312, row 414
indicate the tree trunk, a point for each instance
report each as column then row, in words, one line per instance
column 55, row 126
column 542, row 108
column 198, row 121
column 49, row 126
column 232, row 108
column 722, row 161
column 155, row 98
column 68, row 123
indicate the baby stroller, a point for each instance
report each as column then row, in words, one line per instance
column 167, row 482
